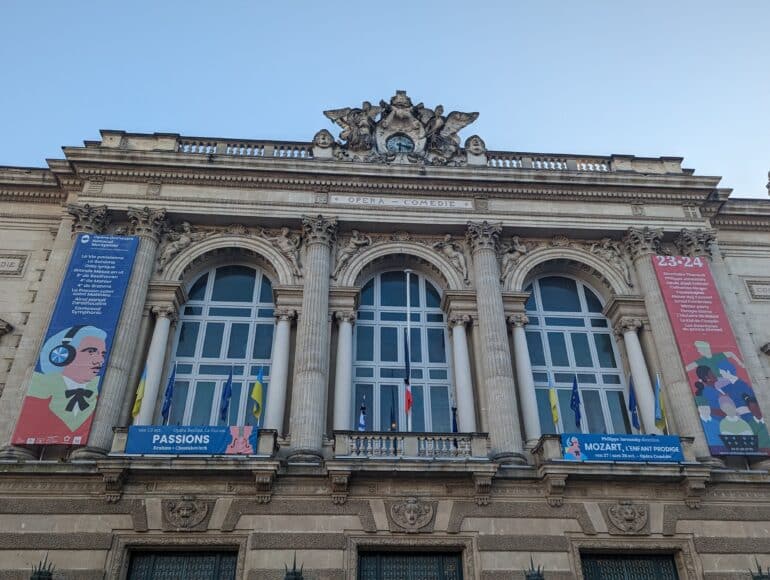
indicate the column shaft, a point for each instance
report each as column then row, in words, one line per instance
column 504, row 430
column 466, row 409
column 343, row 384
column 525, row 382
column 279, row 373
column 156, row 358
column 643, row 390
column 308, row 408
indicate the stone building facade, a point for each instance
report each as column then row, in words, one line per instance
column 327, row 236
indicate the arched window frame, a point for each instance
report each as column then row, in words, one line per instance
column 435, row 377
column 601, row 388
column 196, row 369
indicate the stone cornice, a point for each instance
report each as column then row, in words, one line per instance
column 30, row 184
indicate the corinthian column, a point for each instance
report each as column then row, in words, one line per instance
column 308, row 404
column 626, row 328
column 526, row 381
column 156, row 359
column 78, row 219
column 147, row 224
column 466, row 409
column 504, row 429
column 279, row 370
column 641, row 244
column 343, row 386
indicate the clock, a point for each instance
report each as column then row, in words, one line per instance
column 399, row 143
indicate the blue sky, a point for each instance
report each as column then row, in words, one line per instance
column 686, row 78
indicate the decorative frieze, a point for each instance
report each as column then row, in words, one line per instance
column 641, row 241
column 695, row 242
column 511, row 255
column 611, row 252
column 178, row 238
column 453, row 252
column 288, row 243
column 354, row 244
column 88, row 219
column 147, row 222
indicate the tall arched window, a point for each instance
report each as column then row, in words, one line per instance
column 379, row 363
column 567, row 336
column 227, row 324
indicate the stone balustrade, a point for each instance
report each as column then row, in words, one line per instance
column 246, row 148
column 390, row 445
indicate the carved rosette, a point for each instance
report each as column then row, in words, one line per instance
column 626, row 517
column 147, row 223
column 642, row 241
column 88, row 219
column 187, row 514
column 483, row 235
column 695, row 242
column 319, row 230
column 626, row 324
column 411, row 515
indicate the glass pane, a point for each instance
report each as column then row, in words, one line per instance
column 581, row 349
column 432, row 297
column 586, row 378
column 441, row 414
column 263, row 341
column 564, row 378
column 436, row 347
column 388, row 344
column 533, row 320
column 558, row 349
column 414, row 291
column 617, row 404
column 611, row 379
column 234, row 284
column 178, row 401
column 251, row 417
column 544, row 412
column 592, row 409
column 393, row 289
column 367, row 294
column 559, row 294
column 201, row 410
column 435, row 317
column 594, row 305
column 233, row 407
column 266, row 290
column 531, row 304
column 183, row 369
column 220, row 370
column 389, row 408
column 566, row 414
column 363, row 315
column 363, row 393
column 265, row 312
column 193, row 310
column 535, row 347
column 416, row 373
column 418, row 409
column 239, row 338
column 364, row 343
column 365, row 372
column 563, row 321
column 212, row 343
column 255, row 370
column 188, row 336
column 225, row 311
column 198, row 290
column 604, row 350
column 540, row 377
column 415, row 345
column 391, row 373
column 598, row 323
column 393, row 316
column 438, row 374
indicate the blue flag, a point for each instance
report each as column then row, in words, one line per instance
column 227, row 393
column 362, row 416
column 574, row 402
column 168, row 395
column 633, row 408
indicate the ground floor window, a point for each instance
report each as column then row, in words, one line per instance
column 617, row 567
column 410, row 566
column 157, row 565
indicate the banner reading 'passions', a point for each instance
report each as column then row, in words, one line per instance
column 64, row 388
column 730, row 415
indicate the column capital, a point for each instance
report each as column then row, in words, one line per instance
column 88, row 219
column 147, row 222
column 695, row 243
column 319, row 230
column 285, row 313
column 483, row 235
column 642, row 241
column 345, row 316
column 518, row 319
column 165, row 311
column 627, row 324
column 458, row 320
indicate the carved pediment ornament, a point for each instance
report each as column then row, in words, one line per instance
column 412, row 515
column 399, row 131
column 627, row 517
column 186, row 513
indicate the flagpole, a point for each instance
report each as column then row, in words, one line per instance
column 409, row 343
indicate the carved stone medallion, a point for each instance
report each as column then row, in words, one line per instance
column 626, row 517
column 186, row 514
column 411, row 515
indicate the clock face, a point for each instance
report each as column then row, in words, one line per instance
column 399, row 143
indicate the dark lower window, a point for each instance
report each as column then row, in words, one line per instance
column 409, row 566
column 613, row 567
column 182, row 565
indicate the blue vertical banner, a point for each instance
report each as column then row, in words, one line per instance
column 64, row 389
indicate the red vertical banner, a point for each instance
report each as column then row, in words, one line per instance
column 720, row 384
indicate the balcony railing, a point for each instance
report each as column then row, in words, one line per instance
column 397, row 445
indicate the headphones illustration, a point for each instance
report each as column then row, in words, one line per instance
column 64, row 353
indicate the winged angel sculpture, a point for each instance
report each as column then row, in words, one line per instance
column 441, row 132
column 357, row 124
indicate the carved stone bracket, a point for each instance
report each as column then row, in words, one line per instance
column 319, row 230
column 641, row 241
column 695, row 242
column 113, row 478
column 263, row 481
column 187, row 514
column 482, row 484
column 146, row 222
column 555, row 485
column 627, row 518
column 88, row 219
column 483, row 235
column 694, row 489
column 411, row 515
column 340, row 482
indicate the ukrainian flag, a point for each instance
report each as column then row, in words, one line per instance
column 257, row 395
column 553, row 399
column 139, row 394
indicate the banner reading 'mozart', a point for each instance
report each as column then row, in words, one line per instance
column 64, row 388
column 730, row 415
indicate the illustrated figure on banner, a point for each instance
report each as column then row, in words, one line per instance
column 288, row 244
column 453, row 252
column 357, row 241
column 64, row 388
column 240, row 443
